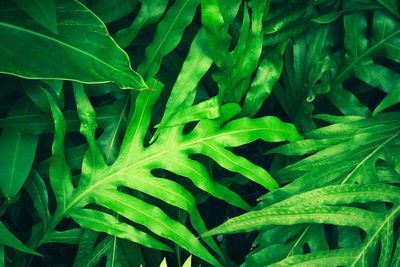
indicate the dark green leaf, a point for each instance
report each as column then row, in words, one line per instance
column 18, row 151
column 81, row 37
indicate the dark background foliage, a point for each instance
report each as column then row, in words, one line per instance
column 306, row 94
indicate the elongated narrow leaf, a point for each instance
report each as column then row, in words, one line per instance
column 169, row 33
column 183, row 93
column 8, row 239
column 64, row 237
column 149, row 13
column 38, row 192
column 179, row 109
column 60, row 173
column 216, row 31
column 102, row 222
column 391, row 99
column 267, row 74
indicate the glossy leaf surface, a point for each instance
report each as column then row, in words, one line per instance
column 81, row 37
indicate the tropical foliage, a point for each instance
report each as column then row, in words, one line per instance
column 145, row 132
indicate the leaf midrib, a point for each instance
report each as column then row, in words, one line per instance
column 42, row 204
column 149, row 215
column 17, row 28
column 369, row 156
column 366, row 53
column 365, row 247
column 165, row 36
column 87, row 191
column 109, row 148
column 265, row 178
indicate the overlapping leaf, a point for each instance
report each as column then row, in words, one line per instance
column 119, row 252
column 99, row 183
column 81, row 37
column 18, row 152
column 362, row 53
column 349, row 162
column 8, row 239
column 348, row 151
column 329, row 205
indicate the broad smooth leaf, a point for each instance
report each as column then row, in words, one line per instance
column 81, row 37
column 109, row 11
column 43, row 11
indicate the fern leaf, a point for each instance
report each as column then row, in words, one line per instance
column 328, row 205
column 361, row 53
column 99, row 183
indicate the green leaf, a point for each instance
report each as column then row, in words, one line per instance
column 328, row 18
column 164, row 263
column 267, row 75
column 216, row 31
column 150, row 12
column 34, row 89
column 86, row 245
column 38, row 192
column 42, row 11
column 18, row 151
column 236, row 67
column 183, row 93
column 168, row 35
column 99, row 182
column 351, row 150
column 64, row 237
column 328, row 206
column 109, row 11
column 81, row 37
column 391, row 99
column 119, row 252
column 114, row 127
column 279, row 242
column 284, row 17
column 8, row 239
column 188, row 262
column 59, row 172
column 179, row 107
column 124, row 253
column 103, row 222
column 361, row 52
